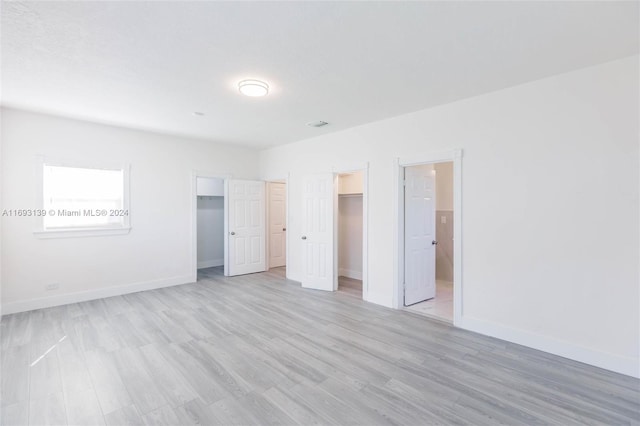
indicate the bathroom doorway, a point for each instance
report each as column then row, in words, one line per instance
column 429, row 214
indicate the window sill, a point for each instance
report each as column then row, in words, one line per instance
column 80, row 232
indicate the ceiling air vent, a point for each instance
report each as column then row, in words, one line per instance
column 317, row 124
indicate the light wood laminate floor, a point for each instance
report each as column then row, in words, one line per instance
column 259, row 349
column 350, row 286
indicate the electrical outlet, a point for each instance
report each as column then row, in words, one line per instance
column 52, row 286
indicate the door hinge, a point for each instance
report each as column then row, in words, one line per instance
column 404, row 182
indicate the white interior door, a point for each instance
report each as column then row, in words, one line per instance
column 277, row 224
column 419, row 234
column 246, row 226
column 318, row 234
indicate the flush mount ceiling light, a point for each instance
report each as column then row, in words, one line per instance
column 253, row 88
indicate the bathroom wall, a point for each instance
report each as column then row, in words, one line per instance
column 444, row 221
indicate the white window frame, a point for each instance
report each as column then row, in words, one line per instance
column 42, row 232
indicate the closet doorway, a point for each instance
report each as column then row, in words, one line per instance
column 350, row 223
column 241, row 204
column 321, row 229
column 210, row 224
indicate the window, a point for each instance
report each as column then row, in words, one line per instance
column 83, row 201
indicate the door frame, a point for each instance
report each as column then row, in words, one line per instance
column 286, row 220
column 454, row 156
column 350, row 168
column 195, row 174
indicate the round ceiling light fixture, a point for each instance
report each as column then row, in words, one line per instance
column 253, row 88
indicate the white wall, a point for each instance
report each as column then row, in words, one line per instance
column 210, row 231
column 543, row 164
column 158, row 249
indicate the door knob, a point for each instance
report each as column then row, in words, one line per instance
column 434, row 242
column 233, row 233
column 304, row 238
column 284, row 229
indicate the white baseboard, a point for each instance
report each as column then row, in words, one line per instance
column 210, row 263
column 379, row 299
column 350, row 273
column 83, row 296
column 619, row 364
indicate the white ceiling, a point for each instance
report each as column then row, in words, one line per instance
column 150, row 65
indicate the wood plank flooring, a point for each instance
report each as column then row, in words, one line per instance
column 259, row 349
column 350, row 286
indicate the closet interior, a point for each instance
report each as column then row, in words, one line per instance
column 210, row 222
column 350, row 198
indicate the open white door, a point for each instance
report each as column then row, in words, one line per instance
column 246, row 226
column 419, row 234
column 318, row 232
column 277, row 224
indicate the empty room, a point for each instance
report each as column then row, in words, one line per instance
column 327, row 213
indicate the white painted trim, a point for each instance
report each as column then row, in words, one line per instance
column 225, row 215
column 195, row 174
column 41, row 232
column 458, row 237
column 364, row 168
column 210, row 263
column 83, row 296
column 638, row 94
column 336, row 236
column 287, row 239
column 622, row 365
column 267, row 222
column 436, row 157
column 365, row 234
column 350, row 273
column 350, row 166
column 81, row 163
column 454, row 156
column 277, row 178
column 398, row 237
